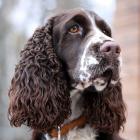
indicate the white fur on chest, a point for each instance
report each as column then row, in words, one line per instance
column 86, row 133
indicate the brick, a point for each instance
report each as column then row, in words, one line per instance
column 127, row 33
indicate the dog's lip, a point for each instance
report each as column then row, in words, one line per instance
column 102, row 80
column 105, row 76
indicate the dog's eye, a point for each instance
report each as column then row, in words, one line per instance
column 74, row 29
column 106, row 32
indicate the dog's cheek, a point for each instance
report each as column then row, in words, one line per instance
column 120, row 62
column 120, row 66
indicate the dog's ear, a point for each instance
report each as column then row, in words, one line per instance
column 39, row 93
column 106, row 110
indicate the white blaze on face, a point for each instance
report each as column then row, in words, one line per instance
column 88, row 59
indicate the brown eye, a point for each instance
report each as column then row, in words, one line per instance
column 104, row 31
column 74, row 29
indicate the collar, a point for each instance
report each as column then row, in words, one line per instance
column 79, row 122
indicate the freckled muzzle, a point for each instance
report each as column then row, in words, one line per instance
column 102, row 71
column 99, row 79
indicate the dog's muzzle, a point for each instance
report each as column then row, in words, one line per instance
column 92, row 72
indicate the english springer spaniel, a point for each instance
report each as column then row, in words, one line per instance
column 67, row 84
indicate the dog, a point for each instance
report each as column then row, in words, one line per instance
column 67, row 82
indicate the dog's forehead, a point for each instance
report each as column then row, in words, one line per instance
column 89, row 17
column 68, row 15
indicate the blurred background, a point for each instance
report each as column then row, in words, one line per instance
column 18, row 20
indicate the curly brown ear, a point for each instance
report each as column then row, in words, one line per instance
column 39, row 93
column 106, row 110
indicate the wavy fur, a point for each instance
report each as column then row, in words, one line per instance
column 40, row 89
column 39, row 93
column 105, row 111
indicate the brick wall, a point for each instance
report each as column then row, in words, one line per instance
column 127, row 33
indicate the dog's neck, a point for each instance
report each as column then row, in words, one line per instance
column 91, row 104
column 75, row 120
column 76, row 109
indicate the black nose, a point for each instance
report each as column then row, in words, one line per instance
column 110, row 48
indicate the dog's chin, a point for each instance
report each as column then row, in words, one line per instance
column 101, row 82
column 98, row 83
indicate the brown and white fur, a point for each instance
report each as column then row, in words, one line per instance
column 69, row 68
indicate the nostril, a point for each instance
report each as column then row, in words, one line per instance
column 107, row 49
column 118, row 50
column 110, row 48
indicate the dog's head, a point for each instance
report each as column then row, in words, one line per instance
column 85, row 45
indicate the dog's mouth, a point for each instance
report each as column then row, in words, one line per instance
column 99, row 81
